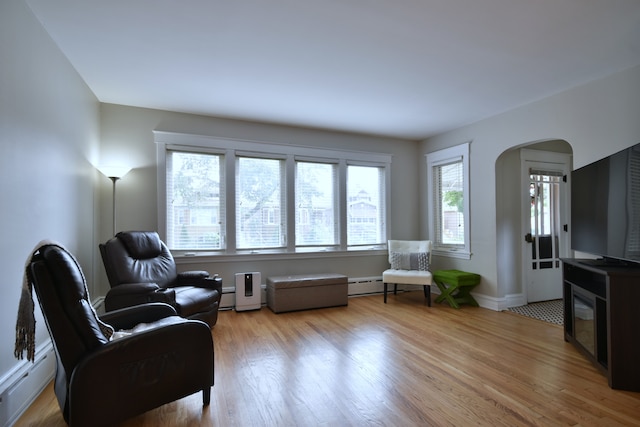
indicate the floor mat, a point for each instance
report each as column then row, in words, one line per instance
column 547, row 311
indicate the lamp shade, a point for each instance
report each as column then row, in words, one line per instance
column 114, row 171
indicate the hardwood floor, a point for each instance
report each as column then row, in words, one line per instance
column 397, row 364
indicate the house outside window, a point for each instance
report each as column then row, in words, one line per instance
column 448, row 197
column 366, row 207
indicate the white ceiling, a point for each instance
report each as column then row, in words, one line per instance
column 401, row 68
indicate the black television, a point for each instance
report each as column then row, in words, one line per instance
column 605, row 208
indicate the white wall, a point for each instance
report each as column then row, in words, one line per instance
column 596, row 119
column 48, row 139
column 127, row 135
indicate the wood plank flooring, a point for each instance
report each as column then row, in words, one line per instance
column 395, row 364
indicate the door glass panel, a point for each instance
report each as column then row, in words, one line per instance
column 544, row 191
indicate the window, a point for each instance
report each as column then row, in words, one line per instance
column 259, row 197
column 194, row 210
column 448, row 201
column 234, row 196
column 316, row 204
column 366, row 213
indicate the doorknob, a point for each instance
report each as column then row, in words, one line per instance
column 528, row 238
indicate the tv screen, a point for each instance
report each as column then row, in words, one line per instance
column 605, row 207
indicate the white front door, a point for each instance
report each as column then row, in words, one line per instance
column 545, row 239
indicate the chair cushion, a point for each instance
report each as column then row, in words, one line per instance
column 141, row 244
column 191, row 299
column 408, row 277
column 143, row 327
column 410, row 261
column 138, row 257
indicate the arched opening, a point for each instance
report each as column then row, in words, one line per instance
column 510, row 214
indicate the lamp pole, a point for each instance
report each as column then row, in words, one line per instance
column 114, row 179
column 114, row 173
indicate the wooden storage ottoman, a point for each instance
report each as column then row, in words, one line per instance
column 306, row 291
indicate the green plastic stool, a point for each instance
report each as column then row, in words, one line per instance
column 455, row 287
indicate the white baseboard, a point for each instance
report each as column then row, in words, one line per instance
column 363, row 286
column 20, row 386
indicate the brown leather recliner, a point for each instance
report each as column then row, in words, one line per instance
column 100, row 382
column 141, row 269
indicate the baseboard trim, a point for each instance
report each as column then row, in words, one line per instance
column 22, row 384
column 362, row 286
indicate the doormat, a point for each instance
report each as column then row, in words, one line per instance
column 547, row 311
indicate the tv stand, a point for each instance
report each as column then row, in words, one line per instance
column 609, row 262
column 602, row 318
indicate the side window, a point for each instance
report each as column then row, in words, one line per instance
column 448, row 198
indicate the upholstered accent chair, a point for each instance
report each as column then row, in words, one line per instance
column 410, row 265
column 141, row 269
column 102, row 381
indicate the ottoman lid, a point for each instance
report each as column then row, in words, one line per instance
column 302, row 280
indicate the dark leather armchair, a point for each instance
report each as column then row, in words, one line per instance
column 100, row 381
column 141, row 269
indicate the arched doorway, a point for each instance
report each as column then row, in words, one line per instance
column 519, row 262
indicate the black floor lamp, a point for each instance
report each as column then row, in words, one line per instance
column 114, row 173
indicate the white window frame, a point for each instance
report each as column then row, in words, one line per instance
column 306, row 214
column 189, row 221
column 234, row 147
column 270, row 212
column 436, row 159
column 385, row 190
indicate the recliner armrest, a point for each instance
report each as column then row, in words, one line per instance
column 189, row 279
column 193, row 275
column 128, row 317
column 129, row 294
column 134, row 288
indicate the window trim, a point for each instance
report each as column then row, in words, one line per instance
column 334, row 164
column 435, row 159
column 231, row 148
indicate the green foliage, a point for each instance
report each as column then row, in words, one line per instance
column 454, row 198
column 196, row 179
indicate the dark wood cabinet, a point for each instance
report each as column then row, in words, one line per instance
column 602, row 317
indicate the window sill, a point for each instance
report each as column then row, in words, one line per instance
column 452, row 253
column 199, row 257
